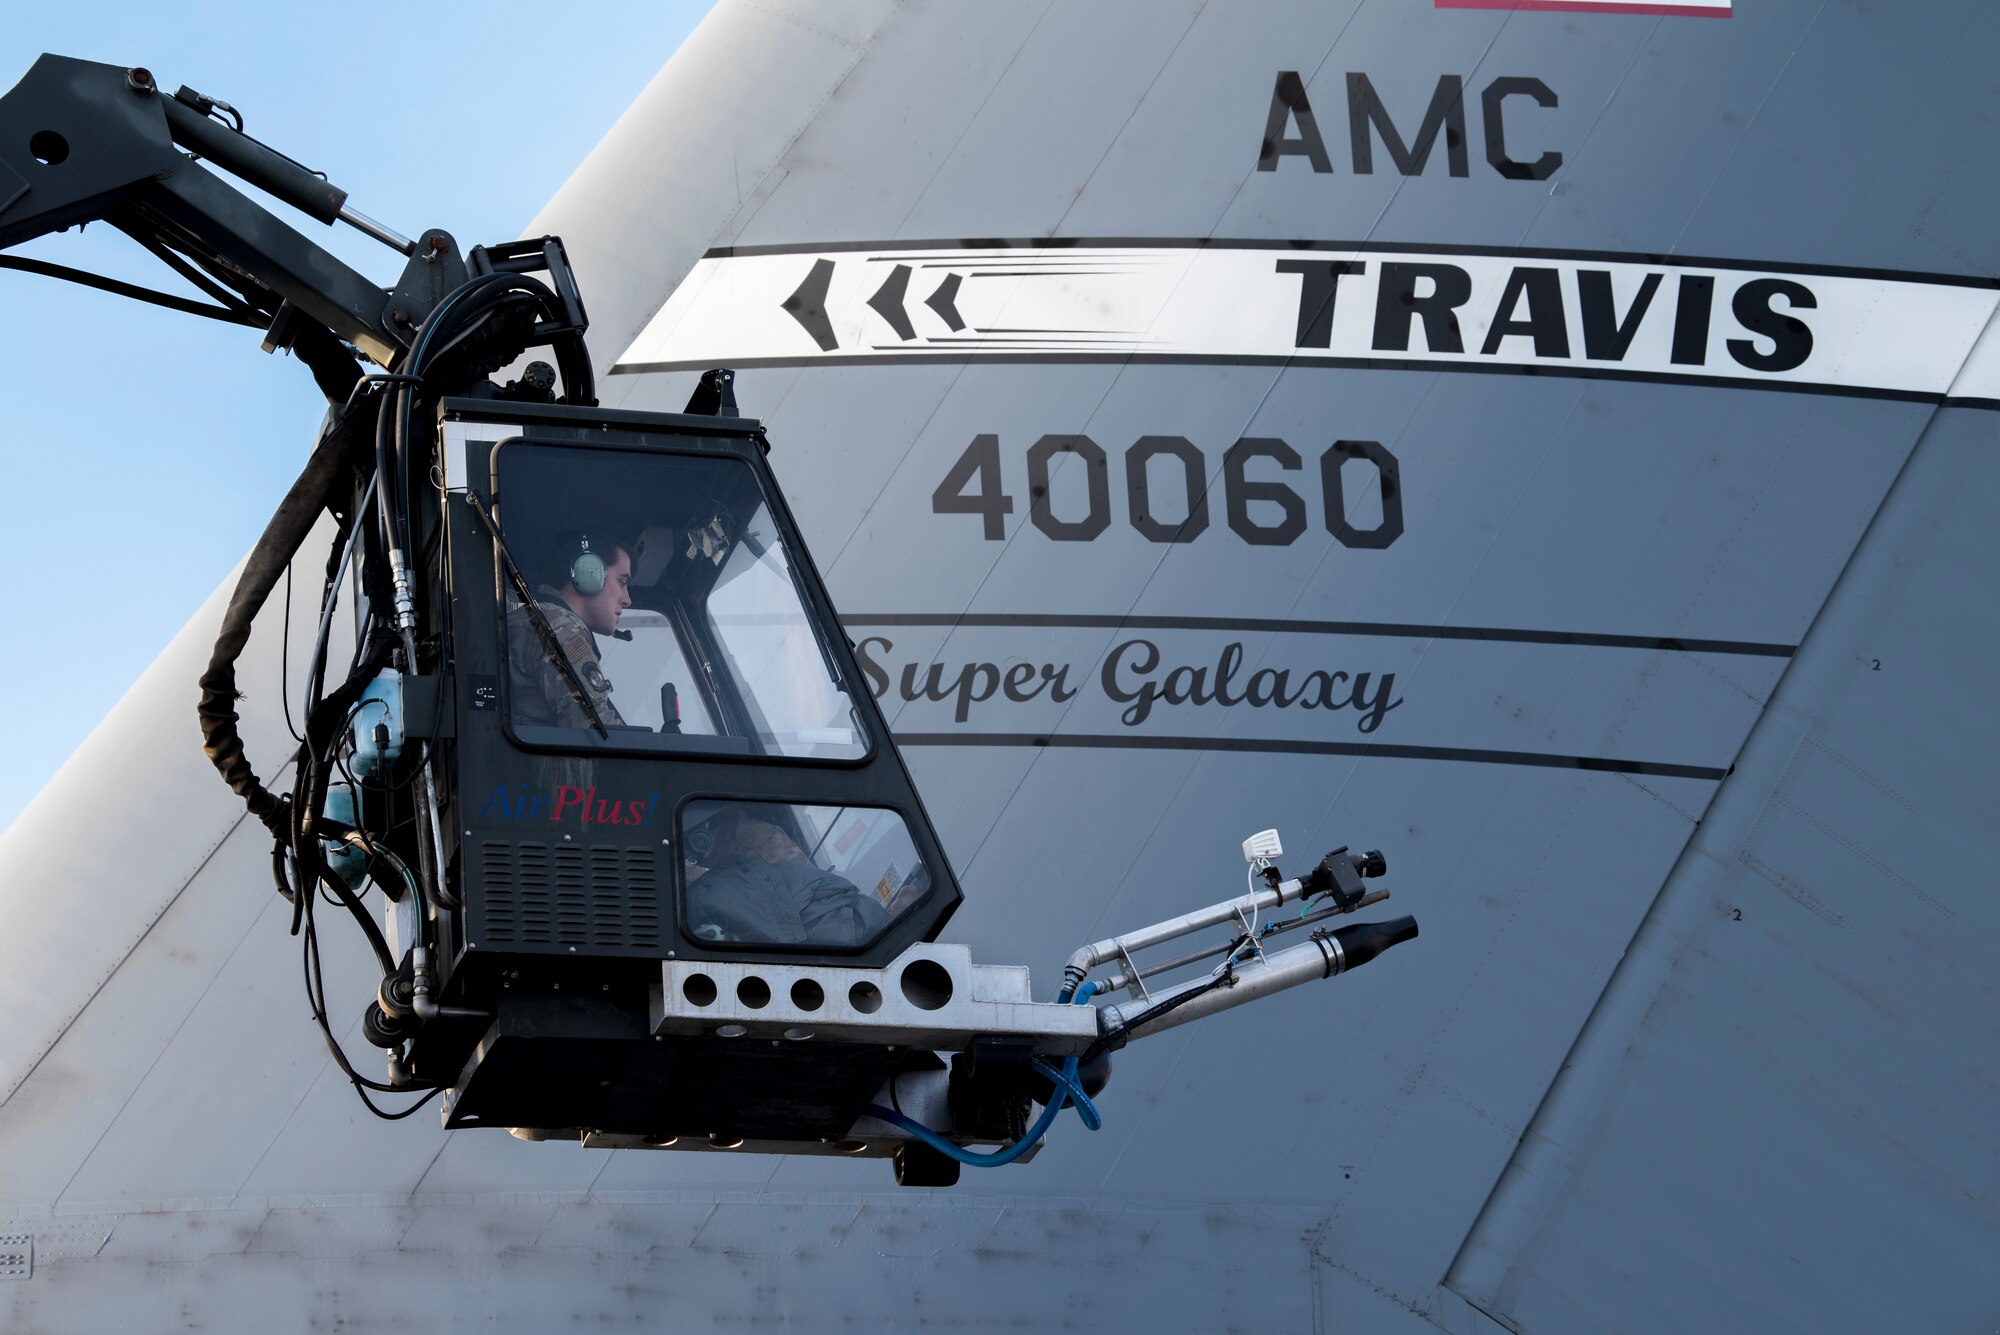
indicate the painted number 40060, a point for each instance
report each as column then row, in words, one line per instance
column 1167, row 484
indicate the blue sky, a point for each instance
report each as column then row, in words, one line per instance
column 145, row 449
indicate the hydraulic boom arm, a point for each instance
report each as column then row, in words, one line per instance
column 82, row 142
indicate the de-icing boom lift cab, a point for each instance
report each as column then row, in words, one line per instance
column 651, row 872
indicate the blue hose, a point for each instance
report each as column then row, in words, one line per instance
column 959, row 1152
column 1066, row 1091
column 1065, row 1081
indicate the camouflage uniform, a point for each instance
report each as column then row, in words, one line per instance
column 782, row 903
column 540, row 693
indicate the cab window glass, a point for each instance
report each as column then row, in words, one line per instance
column 788, row 874
column 653, row 654
column 665, row 610
column 769, row 647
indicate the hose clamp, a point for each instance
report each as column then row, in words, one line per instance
column 1330, row 947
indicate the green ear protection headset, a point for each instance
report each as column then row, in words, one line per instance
column 586, row 572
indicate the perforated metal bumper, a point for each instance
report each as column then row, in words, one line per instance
column 931, row 996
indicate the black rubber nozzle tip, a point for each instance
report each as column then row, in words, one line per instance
column 1365, row 940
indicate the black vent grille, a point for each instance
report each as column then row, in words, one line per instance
column 553, row 897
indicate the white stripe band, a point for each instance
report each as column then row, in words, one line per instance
column 1849, row 331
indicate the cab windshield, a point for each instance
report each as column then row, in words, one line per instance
column 666, row 613
column 759, row 873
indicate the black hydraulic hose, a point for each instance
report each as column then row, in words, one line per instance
column 1122, row 1035
column 226, row 314
column 339, row 557
column 376, row 941
column 195, row 274
column 316, row 997
column 310, row 775
column 283, row 536
column 323, row 735
column 393, row 428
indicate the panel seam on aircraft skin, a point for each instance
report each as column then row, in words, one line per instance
column 794, row 20
column 1494, row 1317
column 1750, row 695
column 1315, row 1256
column 950, row 153
column 1790, row 888
column 1283, row 626
column 122, row 960
column 1751, row 123
column 860, row 50
column 1860, row 852
column 417, row 1184
column 554, row 1210
column 1865, row 776
column 778, row 167
column 1574, row 153
column 112, row 1122
column 1693, row 818
column 1186, row 1041
column 306, row 1093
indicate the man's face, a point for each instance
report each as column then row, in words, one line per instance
column 600, row 610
